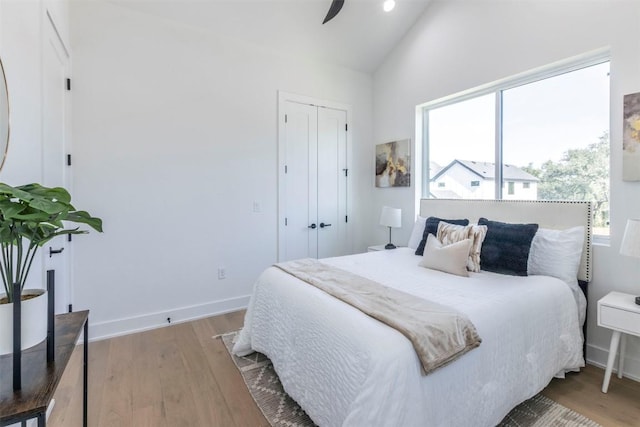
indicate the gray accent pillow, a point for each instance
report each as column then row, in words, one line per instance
column 506, row 247
column 431, row 227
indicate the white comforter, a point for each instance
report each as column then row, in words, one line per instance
column 346, row 368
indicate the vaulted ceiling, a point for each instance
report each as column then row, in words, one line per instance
column 359, row 37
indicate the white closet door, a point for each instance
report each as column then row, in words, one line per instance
column 55, row 131
column 332, row 180
column 313, row 182
column 300, row 182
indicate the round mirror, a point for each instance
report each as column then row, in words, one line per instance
column 4, row 116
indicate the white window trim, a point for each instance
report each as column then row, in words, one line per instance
column 551, row 70
column 568, row 65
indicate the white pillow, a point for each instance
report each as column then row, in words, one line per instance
column 450, row 258
column 416, row 233
column 556, row 253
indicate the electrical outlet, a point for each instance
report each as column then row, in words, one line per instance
column 222, row 273
column 256, row 207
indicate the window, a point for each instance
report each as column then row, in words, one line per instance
column 462, row 151
column 547, row 129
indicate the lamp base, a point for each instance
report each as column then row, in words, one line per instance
column 638, row 300
column 392, row 246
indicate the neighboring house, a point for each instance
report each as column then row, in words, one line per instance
column 468, row 179
column 434, row 168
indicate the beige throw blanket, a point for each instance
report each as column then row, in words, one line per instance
column 438, row 333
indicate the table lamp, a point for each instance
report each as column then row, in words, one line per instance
column 392, row 218
column 630, row 245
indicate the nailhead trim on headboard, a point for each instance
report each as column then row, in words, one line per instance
column 471, row 208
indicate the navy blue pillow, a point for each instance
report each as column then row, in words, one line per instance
column 431, row 227
column 505, row 248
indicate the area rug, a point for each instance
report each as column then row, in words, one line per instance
column 280, row 410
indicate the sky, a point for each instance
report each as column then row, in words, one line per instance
column 541, row 120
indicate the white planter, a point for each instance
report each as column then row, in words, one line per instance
column 34, row 321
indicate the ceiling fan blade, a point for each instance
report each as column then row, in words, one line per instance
column 335, row 7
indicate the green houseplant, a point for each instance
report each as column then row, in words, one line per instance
column 30, row 216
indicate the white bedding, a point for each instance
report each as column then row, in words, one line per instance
column 345, row 368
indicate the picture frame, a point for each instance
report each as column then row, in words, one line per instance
column 631, row 137
column 393, row 164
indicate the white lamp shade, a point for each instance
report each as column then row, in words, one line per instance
column 631, row 240
column 391, row 217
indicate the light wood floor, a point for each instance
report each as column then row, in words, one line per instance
column 179, row 376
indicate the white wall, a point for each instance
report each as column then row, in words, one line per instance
column 175, row 137
column 21, row 24
column 20, row 51
column 457, row 45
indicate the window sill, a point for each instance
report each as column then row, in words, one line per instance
column 599, row 240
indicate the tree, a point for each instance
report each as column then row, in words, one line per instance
column 581, row 174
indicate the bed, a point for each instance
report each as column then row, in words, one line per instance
column 346, row 368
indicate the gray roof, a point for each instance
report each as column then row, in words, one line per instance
column 487, row 170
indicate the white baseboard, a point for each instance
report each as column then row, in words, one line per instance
column 598, row 356
column 129, row 325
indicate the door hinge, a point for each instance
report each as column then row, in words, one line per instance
column 346, row 127
column 346, row 172
column 285, row 118
column 285, row 168
column 346, row 218
column 68, row 237
column 68, row 159
column 68, row 84
column 285, row 221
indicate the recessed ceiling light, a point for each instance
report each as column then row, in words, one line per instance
column 388, row 5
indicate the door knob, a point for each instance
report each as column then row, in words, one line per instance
column 52, row 251
column 312, row 226
column 323, row 225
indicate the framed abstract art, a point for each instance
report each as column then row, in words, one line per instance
column 393, row 164
column 631, row 138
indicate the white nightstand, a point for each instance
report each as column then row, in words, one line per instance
column 619, row 312
column 379, row 248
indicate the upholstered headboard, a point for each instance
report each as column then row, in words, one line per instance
column 547, row 214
